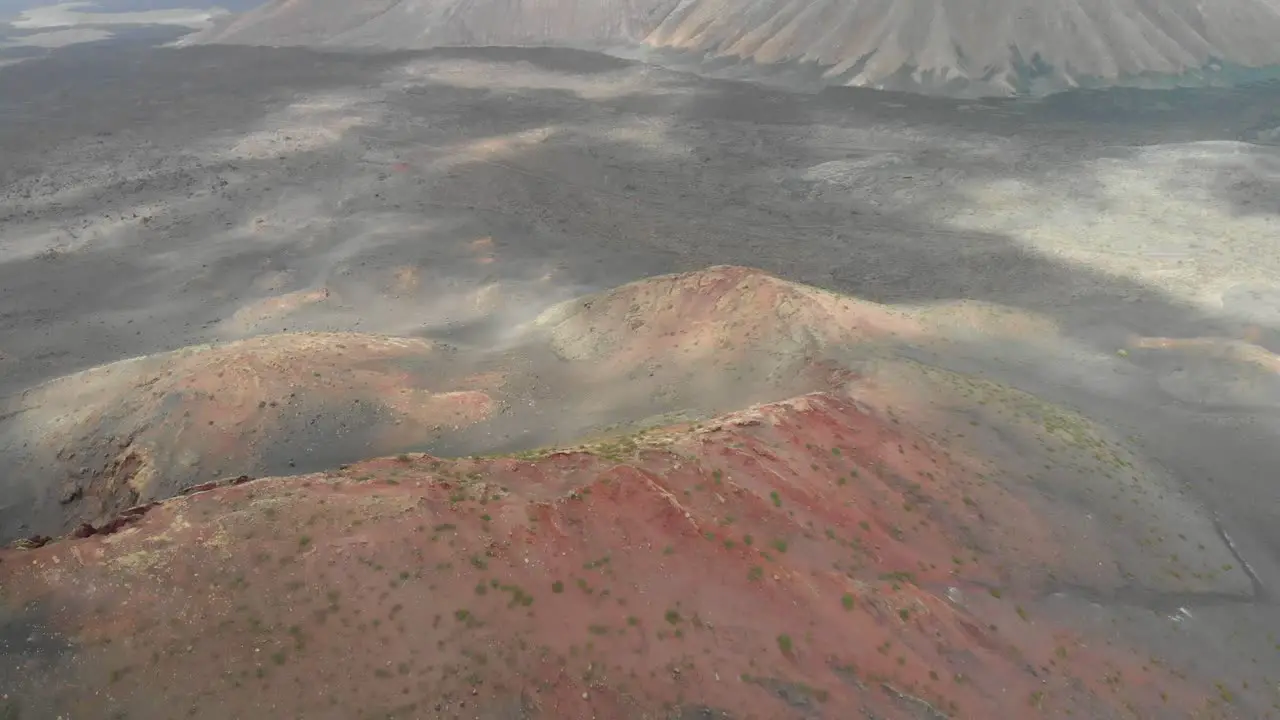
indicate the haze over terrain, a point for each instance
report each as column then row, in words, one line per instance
column 502, row 382
column 14, row 8
column 967, row 47
column 32, row 28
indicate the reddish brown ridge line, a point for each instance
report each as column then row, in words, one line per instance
column 126, row 517
column 132, row 514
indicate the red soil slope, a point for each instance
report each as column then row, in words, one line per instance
column 807, row 559
column 717, row 315
column 138, row 430
column 887, row 543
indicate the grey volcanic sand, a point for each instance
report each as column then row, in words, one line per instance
column 151, row 196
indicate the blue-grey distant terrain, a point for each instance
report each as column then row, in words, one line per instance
column 968, row 47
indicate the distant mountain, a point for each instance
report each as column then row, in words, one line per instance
column 1005, row 46
column 958, row 47
column 11, row 8
column 427, row 23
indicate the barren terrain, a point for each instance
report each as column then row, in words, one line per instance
column 785, row 561
column 967, row 48
column 538, row 383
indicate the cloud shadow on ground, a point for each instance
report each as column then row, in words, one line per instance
column 598, row 204
column 590, row 188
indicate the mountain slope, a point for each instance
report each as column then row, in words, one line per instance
column 390, row 24
column 785, row 561
column 966, row 47
column 83, row 447
column 1006, row 46
column 878, row 537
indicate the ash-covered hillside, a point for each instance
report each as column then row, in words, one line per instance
column 975, row 47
